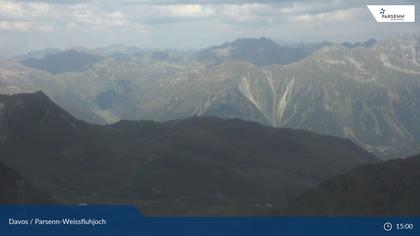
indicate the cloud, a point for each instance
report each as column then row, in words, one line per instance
column 201, row 2
column 94, row 19
column 168, row 2
column 160, row 14
column 21, row 11
column 53, row 1
column 46, row 17
column 98, row 14
column 188, row 10
column 11, row 10
column 20, row 26
column 338, row 16
column 249, row 14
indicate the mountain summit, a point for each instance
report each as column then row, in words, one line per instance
column 260, row 52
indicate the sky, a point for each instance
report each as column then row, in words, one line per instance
column 187, row 24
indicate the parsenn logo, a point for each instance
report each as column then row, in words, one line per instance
column 382, row 12
column 393, row 13
column 399, row 17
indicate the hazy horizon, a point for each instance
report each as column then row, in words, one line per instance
column 281, row 43
column 27, row 25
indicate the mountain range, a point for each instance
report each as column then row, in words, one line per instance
column 193, row 166
column 259, row 52
column 62, row 62
column 366, row 92
column 264, row 51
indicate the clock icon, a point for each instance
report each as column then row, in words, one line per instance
column 387, row 226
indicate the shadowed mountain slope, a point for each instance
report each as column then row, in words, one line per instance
column 198, row 166
column 16, row 190
column 390, row 188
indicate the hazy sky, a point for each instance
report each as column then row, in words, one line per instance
column 36, row 24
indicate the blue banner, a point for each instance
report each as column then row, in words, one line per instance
column 127, row 220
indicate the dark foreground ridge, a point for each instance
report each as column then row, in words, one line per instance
column 16, row 190
column 195, row 166
column 390, row 188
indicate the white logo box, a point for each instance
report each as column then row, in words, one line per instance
column 393, row 13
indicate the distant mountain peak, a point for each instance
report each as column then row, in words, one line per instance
column 367, row 44
column 254, row 42
column 71, row 60
column 258, row 51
